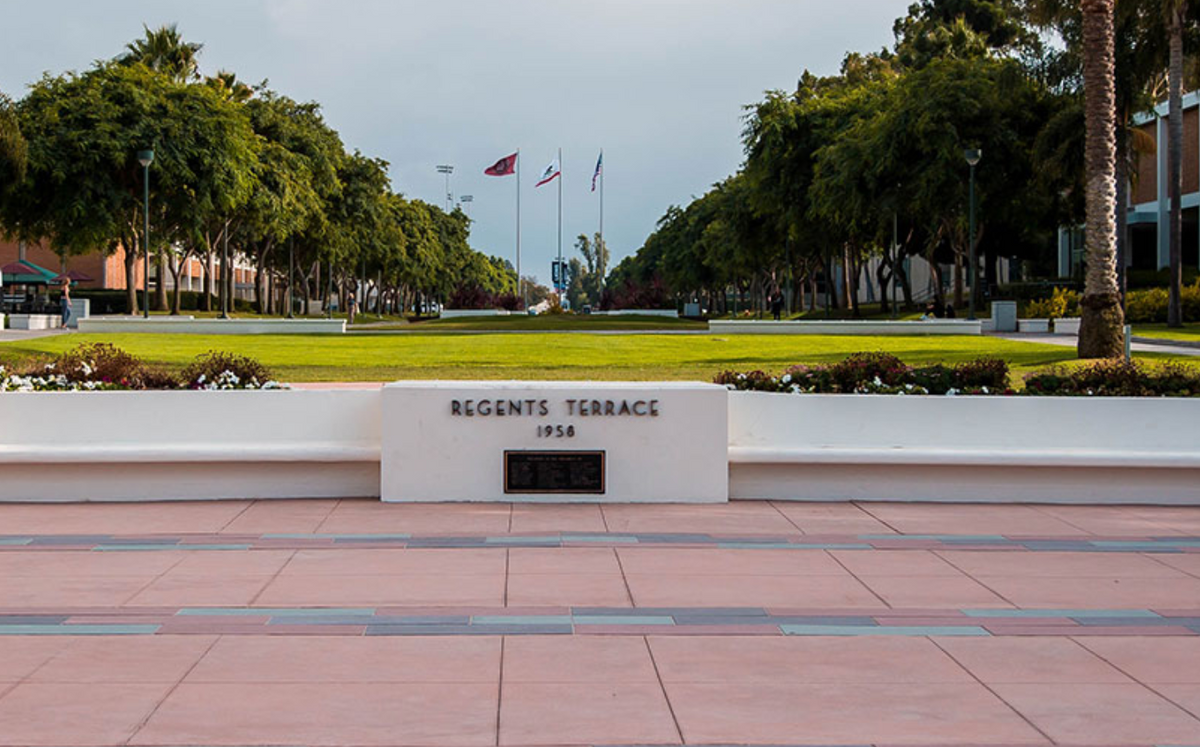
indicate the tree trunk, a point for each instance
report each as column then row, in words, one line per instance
column 131, row 258
column 177, row 270
column 1175, row 161
column 1122, row 172
column 1100, row 329
column 207, row 290
column 160, row 288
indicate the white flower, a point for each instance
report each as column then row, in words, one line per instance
column 951, row 392
column 787, row 379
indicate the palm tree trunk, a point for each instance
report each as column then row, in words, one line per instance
column 1175, row 160
column 1122, row 205
column 1100, row 329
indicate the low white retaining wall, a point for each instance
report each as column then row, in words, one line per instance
column 987, row 449
column 846, row 327
column 459, row 313
column 35, row 321
column 141, row 446
column 671, row 313
column 1068, row 326
column 188, row 325
column 1033, row 326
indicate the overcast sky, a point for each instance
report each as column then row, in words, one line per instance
column 658, row 84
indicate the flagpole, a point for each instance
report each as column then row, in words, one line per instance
column 601, row 202
column 562, row 279
column 520, row 283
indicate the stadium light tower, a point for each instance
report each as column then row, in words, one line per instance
column 467, row 200
column 447, row 170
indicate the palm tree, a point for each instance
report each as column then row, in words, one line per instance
column 1100, row 331
column 227, row 84
column 164, row 50
column 1174, row 11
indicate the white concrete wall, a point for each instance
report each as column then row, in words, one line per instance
column 846, row 327
column 671, row 313
column 460, row 313
column 35, row 321
column 134, row 446
column 670, row 447
column 142, row 446
column 188, row 325
column 993, row 449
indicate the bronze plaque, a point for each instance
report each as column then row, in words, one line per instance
column 554, row 472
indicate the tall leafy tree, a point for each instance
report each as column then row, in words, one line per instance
column 14, row 150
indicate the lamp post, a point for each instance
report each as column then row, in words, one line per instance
column 447, row 170
column 972, row 155
column 145, row 158
column 467, row 200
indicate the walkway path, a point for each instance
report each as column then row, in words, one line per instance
column 15, row 335
column 359, row 623
column 1140, row 344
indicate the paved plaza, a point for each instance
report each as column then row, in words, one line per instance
column 360, row 623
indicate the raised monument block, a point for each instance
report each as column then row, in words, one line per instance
column 554, row 442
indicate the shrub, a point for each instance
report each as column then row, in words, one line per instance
column 864, row 368
column 1150, row 305
column 935, row 379
column 216, row 370
column 1116, row 378
column 1062, row 303
column 101, row 363
column 751, row 381
column 981, row 373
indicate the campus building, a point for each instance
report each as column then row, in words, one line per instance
column 107, row 272
column 1148, row 238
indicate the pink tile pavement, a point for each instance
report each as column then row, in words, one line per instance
column 585, row 714
column 20, row 656
column 395, row 561
column 567, row 589
column 1030, row 661
column 1102, row 714
column 1158, row 660
column 1097, row 593
column 804, row 660
column 680, row 590
column 721, row 562
column 958, row 714
column 468, row 659
column 578, row 660
column 65, row 715
column 124, row 659
column 422, row 590
column 325, row 715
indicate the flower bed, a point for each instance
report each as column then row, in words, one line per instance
column 881, row 373
column 103, row 367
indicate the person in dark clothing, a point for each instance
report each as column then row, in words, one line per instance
column 949, row 313
column 776, row 299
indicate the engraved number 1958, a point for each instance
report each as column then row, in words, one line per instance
column 556, row 431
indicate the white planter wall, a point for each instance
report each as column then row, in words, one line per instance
column 1069, row 326
column 993, row 449
column 460, row 313
column 34, row 321
column 142, row 446
column 135, row 446
column 188, row 325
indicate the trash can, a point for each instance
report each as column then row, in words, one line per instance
column 1004, row 316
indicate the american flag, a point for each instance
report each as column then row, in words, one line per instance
column 599, row 168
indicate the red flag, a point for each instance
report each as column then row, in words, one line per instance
column 503, row 167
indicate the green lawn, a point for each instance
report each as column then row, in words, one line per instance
column 382, row 357
column 552, row 322
column 1187, row 333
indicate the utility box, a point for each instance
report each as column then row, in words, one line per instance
column 1004, row 316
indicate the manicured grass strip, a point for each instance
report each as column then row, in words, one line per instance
column 551, row 322
column 552, row 356
column 1186, row 333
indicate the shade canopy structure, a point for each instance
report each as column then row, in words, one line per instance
column 73, row 276
column 24, row 272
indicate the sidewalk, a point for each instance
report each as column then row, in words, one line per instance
column 361, row 623
column 1140, row 344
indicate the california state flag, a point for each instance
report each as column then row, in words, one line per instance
column 552, row 171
